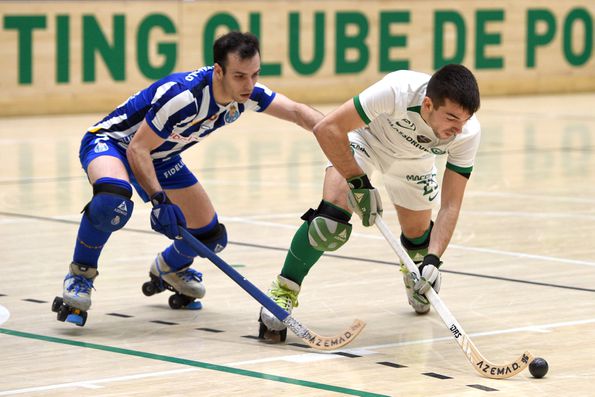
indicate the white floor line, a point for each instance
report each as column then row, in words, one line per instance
column 568, row 199
column 253, row 221
column 257, row 183
column 95, row 383
column 456, row 246
column 581, row 216
column 523, row 255
column 531, row 328
column 287, row 215
column 295, row 358
column 11, row 221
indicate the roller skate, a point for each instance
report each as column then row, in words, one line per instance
column 186, row 283
column 76, row 299
column 284, row 293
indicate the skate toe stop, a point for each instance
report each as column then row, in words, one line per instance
column 75, row 319
column 196, row 305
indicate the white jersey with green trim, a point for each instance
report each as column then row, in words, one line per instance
column 391, row 108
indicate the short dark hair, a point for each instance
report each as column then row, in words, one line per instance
column 456, row 83
column 244, row 44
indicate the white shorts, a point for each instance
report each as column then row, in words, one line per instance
column 410, row 183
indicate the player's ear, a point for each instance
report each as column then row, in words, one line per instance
column 427, row 103
column 218, row 71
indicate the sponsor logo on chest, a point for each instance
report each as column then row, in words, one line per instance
column 408, row 131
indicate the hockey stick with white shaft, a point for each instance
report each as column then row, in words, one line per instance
column 311, row 338
column 479, row 362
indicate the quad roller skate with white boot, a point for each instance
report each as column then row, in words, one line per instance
column 186, row 283
column 76, row 299
column 284, row 293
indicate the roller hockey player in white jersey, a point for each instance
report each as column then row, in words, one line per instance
column 396, row 127
column 139, row 144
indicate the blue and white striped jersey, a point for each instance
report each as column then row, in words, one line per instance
column 181, row 109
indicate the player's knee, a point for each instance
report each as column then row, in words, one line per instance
column 110, row 208
column 215, row 237
column 328, row 227
column 417, row 248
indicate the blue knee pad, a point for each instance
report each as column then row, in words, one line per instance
column 110, row 208
column 214, row 237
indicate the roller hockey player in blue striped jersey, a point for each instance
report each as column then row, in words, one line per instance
column 139, row 144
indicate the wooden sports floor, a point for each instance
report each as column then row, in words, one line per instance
column 519, row 274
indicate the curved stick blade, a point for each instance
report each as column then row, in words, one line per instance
column 480, row 363
column 495, row 371
column 320, row 342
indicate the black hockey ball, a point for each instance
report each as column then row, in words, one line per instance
column 538, row 367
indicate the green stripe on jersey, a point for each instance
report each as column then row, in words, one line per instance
column 360, row 110
column 460, row 170
column 416, row 109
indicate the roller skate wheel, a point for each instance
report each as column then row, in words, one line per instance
column 262, row 329
column 283, row 334
column 271, row 336
column 63, row 313
column 176, row 301
column 149, row 288
column 56, row 304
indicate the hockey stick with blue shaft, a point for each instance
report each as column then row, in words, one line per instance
column 479, row 362
column 311, row 338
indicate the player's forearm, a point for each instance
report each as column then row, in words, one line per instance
column 453, row 190
column 335, row 146
column 307, row 117
column 443, row 230
column 142, row 166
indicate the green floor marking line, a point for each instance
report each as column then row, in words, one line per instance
column 192, row 363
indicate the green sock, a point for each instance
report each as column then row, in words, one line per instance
column 300, row 257
column 417, row 247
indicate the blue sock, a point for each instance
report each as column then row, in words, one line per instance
column 179, row 254
column 89, row 243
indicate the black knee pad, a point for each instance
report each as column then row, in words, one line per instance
column 327, row 210
column 215, row 238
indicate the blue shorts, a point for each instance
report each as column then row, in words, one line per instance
column 172, row 173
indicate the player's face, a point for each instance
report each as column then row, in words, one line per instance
column 447, row 120
column 240, row 77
